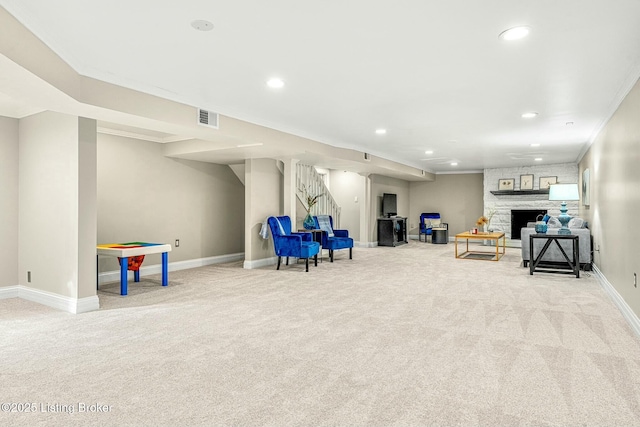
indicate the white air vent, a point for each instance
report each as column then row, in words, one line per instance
column 367, row 157
column 207, row 118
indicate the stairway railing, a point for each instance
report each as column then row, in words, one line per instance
column 307, row 177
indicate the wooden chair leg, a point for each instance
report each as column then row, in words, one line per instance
column 307, row 264
column 331, row 255
column 315, row 259
column 287, row 260
column 350, row 253
column 278, row 268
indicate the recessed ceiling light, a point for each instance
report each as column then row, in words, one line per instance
column 275, row 83
column 538, row 159
column 515, row 33
column 454, row 164
column 569, row 124
column 529, row 115
column 202, row 25
column 381, row 131
column 428, row 152
column 535, row 145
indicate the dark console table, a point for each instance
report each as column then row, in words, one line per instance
column 392, row 231
column 534, row 262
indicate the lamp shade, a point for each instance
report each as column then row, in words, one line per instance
column 564, row 192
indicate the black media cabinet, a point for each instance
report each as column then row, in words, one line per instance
column 392, row 231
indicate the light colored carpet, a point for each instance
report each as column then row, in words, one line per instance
column 397, row 336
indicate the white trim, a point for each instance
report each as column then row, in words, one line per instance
column 134, row 135
column 264, row 262
column 60, row 302
column 450, row 239
column 9, row 292
column 464, row 172
column 365, row 244
column 86, row 304
column 617, row 299
column 114, row 275
column 260, row 263
column 625, row 87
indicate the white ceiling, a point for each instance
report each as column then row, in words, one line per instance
column 433, row 73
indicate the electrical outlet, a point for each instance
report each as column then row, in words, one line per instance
column 177, row 243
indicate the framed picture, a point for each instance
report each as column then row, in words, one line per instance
column 526, row 182
column 546, row 181
column 585, row 187
column 506, row 184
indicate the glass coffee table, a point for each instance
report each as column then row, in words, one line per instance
column 481, row 255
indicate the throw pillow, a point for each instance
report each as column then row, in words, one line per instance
column 576, row 223
column 431, row 223
column 554, row 222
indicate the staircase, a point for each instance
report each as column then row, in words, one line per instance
column 307, row 177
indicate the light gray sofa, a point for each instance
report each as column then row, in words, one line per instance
column 553, row 254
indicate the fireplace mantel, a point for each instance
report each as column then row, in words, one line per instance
column 517, row 192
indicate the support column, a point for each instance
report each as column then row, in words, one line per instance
column 57, row 210
column 290, row 189
column 366, row 208
column 262, row 198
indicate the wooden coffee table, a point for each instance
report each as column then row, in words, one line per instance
column 482, row 255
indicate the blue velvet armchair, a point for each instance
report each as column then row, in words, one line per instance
column 427, row 222
column 288, row 244
column 333, row 239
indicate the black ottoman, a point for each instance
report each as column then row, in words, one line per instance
column 439, row 235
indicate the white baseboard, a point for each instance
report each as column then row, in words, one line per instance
column 260, row 263
column 617, row 299
column 114, row 276
column 9, row 292
column 82, row 305
column 264, row 262
column 59, row 302
column 365, row 244
column 509, row 243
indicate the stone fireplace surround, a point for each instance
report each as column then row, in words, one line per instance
column 521, row 217
column 503, row 204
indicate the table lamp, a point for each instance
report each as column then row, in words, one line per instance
column 564, row 192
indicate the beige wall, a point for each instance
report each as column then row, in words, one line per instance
column 145, row 196
column 345, row 188
column 457, row 197
column 53, row 241
column 9, row 201
column 613, row 161
column 379, row 186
